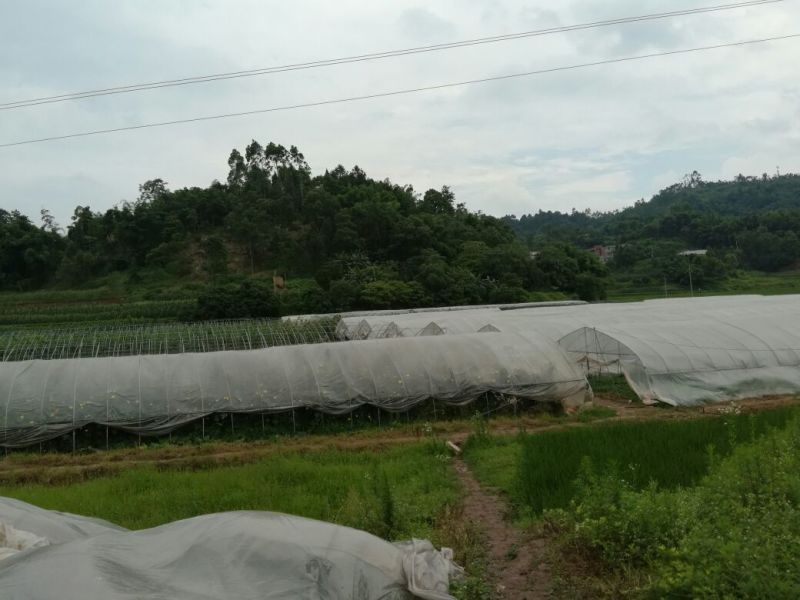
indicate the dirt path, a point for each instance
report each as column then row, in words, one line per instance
column 517, row 559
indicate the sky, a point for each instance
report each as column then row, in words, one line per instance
column 597, row 138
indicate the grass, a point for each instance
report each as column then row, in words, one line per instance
column 744, row 282
column 595, row 413
column 539, row 471
column 397, row 493
column 156, row 296
column 735, row 534
column 111, row 299
column 409, row 491
column 613, row 387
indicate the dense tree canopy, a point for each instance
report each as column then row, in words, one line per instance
column 366, row 243
column 352, row 242
column 750, row 222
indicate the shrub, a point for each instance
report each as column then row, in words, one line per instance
column 303, row 297
column 247, row 299
column 736, row 534
column 590, row 287
column 623, row 525
column 745, row 538
column 392, row 294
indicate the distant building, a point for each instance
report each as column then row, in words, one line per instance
column 604, row 253
column 693, row 253
column 534, row 254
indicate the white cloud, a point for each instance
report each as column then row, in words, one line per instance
column 597, row 138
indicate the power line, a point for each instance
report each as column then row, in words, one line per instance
column 402, row 92
column 125, row 89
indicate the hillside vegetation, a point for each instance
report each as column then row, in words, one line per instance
column 344, row 241
column 750, row 223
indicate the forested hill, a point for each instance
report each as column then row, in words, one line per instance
column 750, row 222
column 353, row 241
column 346, row 241
column 742, row 197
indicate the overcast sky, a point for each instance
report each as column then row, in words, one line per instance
column 596, row 138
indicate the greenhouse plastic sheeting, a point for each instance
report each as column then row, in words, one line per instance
column 680, row 351
column 235, row 556
column 56, row 527
column 430, row 309
column 691, row 362
column 153, row 394
column 556, row 321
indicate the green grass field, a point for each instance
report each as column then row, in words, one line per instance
column 745, row 282
column 396, row 493
column 538, row 471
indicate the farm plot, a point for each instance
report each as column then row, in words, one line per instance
column 539, row 471
column 395, row 493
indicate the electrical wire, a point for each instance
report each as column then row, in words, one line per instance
column 402, row 92
column 373, row 56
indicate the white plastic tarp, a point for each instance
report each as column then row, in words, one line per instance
column 236, row 556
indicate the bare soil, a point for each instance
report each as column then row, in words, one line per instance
column 517, row 559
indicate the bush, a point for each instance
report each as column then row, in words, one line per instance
column 303, row 297
column 745, row 536
column 590, row 287
column 248, row 299
column 624, row 525
column 392, row 294
column 734, row 535
column 507, row 294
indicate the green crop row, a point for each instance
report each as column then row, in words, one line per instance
column 54, row 314
column 164, row 338
column 539, row 471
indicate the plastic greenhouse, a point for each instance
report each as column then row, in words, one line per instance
column 679, row 351
column 685, row 363
column 153, row 394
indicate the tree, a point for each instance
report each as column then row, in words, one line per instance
column 438, row 202
column 151, row 190
column 49, row 222
column 247, row 299
column 767, row 251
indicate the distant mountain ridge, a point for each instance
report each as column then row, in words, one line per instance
column 737, row 199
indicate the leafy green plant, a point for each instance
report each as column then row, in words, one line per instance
column 613, row 387
column 671, row 453
column 248, row 299
column 734, row 534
